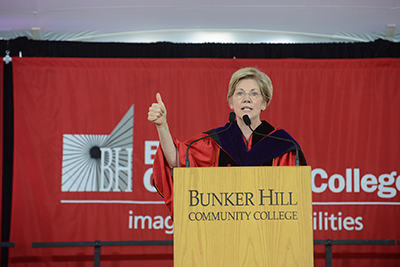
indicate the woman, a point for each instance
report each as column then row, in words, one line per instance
column 250, row 92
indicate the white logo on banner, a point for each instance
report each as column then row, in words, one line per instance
column 99, row 162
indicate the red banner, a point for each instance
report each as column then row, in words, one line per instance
column 84, row 150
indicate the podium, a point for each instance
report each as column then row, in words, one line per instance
column 243, row 216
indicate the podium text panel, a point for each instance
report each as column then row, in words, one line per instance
column 243, row 216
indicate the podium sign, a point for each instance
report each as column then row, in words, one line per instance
column 243, row 216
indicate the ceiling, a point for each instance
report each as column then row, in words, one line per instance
column 201, row 21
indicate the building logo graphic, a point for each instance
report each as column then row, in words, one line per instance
column 99, row 163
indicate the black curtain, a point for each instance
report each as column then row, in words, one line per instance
column 29, row 48
column 8, row 141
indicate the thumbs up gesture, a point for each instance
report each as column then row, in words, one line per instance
column 157, row 112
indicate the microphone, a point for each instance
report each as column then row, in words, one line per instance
column 247, row 121
column 231, row 120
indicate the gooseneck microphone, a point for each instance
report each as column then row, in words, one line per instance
column 247, row 121
column 231, row 120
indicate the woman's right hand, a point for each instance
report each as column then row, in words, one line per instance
column 158, row 115
column 157, row 112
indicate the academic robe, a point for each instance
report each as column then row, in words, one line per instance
column 227, row 148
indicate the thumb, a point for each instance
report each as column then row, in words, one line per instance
column 159, row 100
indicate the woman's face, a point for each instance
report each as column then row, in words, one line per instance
column 247, row 99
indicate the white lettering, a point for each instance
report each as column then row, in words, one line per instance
column 348, row 223
column 383, row 190
column 398, row 183
column 348, row 180
column 368, row 183
column 130, row 219
column 103, row 168
column 113, row 177
column 332, row 185
column 157, row 222
column 324, row 221
column 323, row 175
column 386, row 185
column 150, row 149
column 127, row 168
column 359, row 224
column 356, row 180
column 169, row 226
column 143, row 219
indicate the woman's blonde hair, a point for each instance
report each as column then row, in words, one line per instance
column 252, row 73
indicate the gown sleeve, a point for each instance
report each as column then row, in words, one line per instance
column 203, row 153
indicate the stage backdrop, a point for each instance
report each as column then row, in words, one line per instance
column 84, row 150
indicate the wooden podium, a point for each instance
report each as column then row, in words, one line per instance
column 243, row 216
